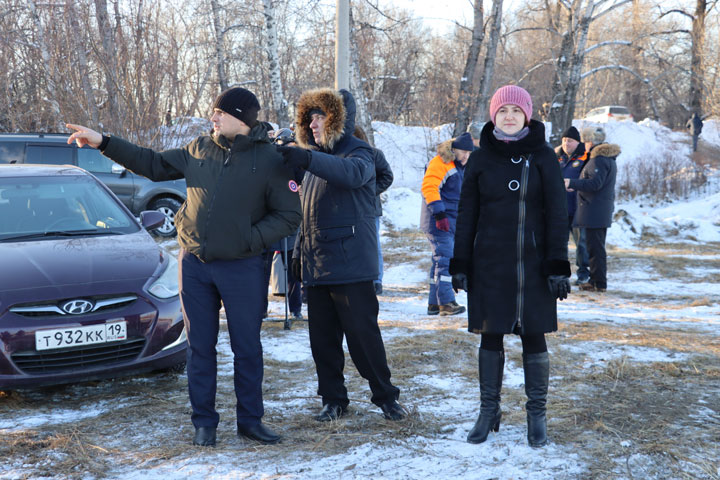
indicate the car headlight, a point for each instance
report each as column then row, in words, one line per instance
column 166, row 285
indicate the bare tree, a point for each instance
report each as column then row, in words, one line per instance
column 219, row 45
column 465, row 100
column 278, row 97
column 82, row 59
column 109, row 62
column 47, row 61
column 486, row 82
column 696, row 64
column 362, row 116
column 697, row 37
column 579, row 15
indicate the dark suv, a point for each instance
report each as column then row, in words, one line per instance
column 136, row 192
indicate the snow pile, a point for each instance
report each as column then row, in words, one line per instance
column 408, row 149
column 711, row 132
column 182, row 131
column 401, row 208
column 696, row 220
column 645, row 145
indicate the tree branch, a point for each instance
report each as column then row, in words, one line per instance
column 459, row 25
column 377, row 9
column 614, row 67
column 609, row 42
column 610, row 8
column 535, row 67
column 506, row 34
column 677, row 10
column 669, row 32
column 239, row 25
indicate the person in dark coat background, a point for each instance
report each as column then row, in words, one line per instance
column 572, row 157
column 336, row 250
column 239, row 202
column 695, row 125
column 596, row 201
column 510, row 254
column 383, row 180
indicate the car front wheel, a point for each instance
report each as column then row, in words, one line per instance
column 169, row 207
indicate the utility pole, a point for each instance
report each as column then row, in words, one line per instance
column 342, row 44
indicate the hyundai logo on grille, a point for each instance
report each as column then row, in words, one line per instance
column 77, row 307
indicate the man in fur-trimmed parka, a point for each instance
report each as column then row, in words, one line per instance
column 596, row 201
column 336, row 250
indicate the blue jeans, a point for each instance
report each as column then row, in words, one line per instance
column 441, row 291
column 582, row 259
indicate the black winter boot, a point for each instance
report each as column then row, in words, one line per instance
column 537, row 375
column 491, row 366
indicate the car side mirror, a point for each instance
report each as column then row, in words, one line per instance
column 151, row 219
column 118, row 169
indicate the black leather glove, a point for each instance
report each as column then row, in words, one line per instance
column 559, row 286
column 295, row 157
column 296, row 269
column 459, row 282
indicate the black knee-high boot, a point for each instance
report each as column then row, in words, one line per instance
column 491, row 364
column 537, row 375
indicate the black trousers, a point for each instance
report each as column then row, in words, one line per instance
column 348, row 310
column 595, row 238
column 238, row 285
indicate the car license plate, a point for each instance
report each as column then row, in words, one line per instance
column 79, row 336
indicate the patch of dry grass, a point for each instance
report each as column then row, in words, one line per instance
column 670, row 340
column 622, row 418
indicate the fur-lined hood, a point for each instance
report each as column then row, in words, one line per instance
column 605, row 150
column 444, row 151
column 339, row 107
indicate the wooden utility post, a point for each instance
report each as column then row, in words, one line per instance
column 342, row 44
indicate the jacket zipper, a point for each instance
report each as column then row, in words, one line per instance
column 521, row 245
column 226, row 162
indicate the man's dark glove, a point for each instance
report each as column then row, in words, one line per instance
column 442, row 222
column 459, row 282
column 295, row 157
column 559, row 286
column 296, row 268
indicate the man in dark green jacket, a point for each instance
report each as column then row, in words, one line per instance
column 241, row 198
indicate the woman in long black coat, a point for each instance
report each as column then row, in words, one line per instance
column 511, row 253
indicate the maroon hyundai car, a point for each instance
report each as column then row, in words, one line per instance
column 85, row 292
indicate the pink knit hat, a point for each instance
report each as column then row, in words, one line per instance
column 511, row 95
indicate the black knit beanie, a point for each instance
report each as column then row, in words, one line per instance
column 240, row 103
column 463, row 142
column 571, row 132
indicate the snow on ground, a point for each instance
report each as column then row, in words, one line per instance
column 711, row 132
column 446, row 455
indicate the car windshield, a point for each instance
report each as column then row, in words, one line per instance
column 59, row 206
column 620, row 110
